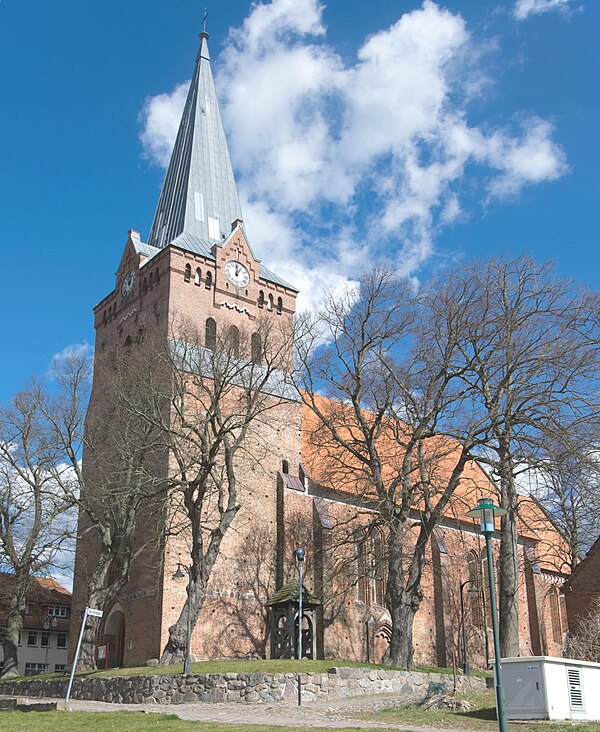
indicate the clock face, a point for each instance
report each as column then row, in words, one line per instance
column 237, row 274
column 128, row 283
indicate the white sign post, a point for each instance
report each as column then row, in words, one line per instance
column 89, row 611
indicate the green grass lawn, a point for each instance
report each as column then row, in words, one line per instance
column 481, row 718
column 124, row 722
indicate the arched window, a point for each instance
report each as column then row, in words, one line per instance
column 285, row 467
column 234, row 340
column 362, row 582
column 256, row 348
column 188, row 273
column 261, row 298
column 128, row 342
column 140, row 335
column 370, row 567
column 208, row 281
column 474, row 605
column 145, row 285
column 210, row 338
column 156, row 278
column 270, row 302
column 279, row 305
column 198, row 277
column 378, row 568
column 554, row 601
column 104, row 318
column 150, row 280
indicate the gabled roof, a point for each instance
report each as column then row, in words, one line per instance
column 204, row 248
column 199, row 196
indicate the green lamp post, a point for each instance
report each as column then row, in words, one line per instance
column 486, row 511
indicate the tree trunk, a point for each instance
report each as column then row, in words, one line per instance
column 10, row 643
column 402, row 603
column 401, row 643
column 508, row 566
column 175, row 648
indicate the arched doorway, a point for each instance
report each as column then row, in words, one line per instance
column 383, row 636
column 114, row 636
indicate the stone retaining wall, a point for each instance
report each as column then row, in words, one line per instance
column 337, row 683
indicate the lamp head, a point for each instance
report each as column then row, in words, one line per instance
column 178, row 574
column 299, row 555
column 486, row 511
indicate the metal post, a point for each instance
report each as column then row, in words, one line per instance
column 500, row 705
column 187, row 663
column 466, row 669
column 300, row 615
column 76, row 657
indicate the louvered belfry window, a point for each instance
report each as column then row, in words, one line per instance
column 575, row 689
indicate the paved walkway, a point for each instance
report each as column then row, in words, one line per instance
column 315, row 714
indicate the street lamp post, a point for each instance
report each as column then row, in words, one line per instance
column 187, row 663
column 486, row 511
column 299, row 555
column 473, row 590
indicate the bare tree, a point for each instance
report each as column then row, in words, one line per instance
column 213, row 401
column 528, row 352
column 36, row 517
column 121, row 493
column 566, row 481
column 378, row 376
column 584, row 644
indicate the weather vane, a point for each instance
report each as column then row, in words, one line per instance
column 204, row 20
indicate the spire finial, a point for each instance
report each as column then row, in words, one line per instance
column 204, row 20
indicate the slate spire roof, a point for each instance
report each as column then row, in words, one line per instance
column 199, row 197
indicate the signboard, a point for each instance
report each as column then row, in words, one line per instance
column 101, row 653
column 94, row 613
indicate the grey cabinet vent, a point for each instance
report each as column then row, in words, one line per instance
column 575, row 690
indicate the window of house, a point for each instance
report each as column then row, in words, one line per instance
column 198, row 277
column 34, row 668
column 279, row 305
column 261, row 298
column 270, row 302
column 210, row 337
column 285, row 467
column 45, row 639
column 256, row 343
column 156, row 278
column 58, row 611
column 32, row 638
column 187, row 276
column 59, row 668
column 61, row 640
column 208, row 281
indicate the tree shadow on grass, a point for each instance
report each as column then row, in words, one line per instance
column 487, row 713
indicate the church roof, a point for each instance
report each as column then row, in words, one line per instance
column 199, row 196
column 199, row 201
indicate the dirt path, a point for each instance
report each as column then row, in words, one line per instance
column 316, row 714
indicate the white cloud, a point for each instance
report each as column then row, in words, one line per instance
column 160, row 116
column 525, row 8
column 341, row 163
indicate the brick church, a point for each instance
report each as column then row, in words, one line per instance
column 198, row 264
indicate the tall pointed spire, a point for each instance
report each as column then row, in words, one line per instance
column 199, row 196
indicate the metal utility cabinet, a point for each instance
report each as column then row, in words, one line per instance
column 543, row 687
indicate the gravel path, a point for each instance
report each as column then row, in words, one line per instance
column 326, row 714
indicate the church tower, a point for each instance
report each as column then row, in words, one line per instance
column 197, row 265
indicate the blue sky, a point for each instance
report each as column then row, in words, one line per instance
column 421, row 133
